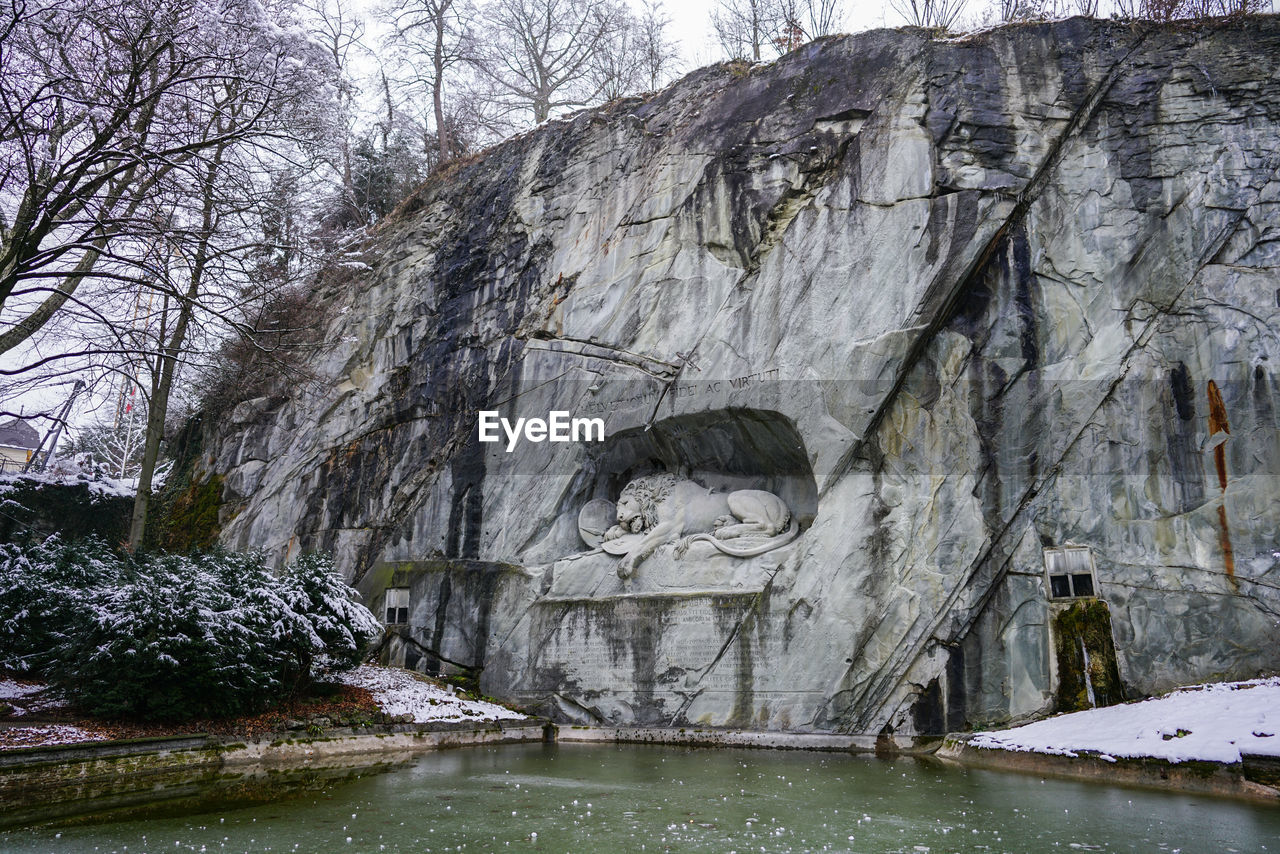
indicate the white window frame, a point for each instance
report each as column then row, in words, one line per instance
column 395, row 604
column 1070, row 574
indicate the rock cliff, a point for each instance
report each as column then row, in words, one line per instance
column 995, row 316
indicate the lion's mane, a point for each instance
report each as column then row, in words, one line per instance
column 649, row 492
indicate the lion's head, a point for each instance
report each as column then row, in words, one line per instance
column 639, row 500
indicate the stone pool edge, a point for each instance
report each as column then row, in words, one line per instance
column 712, row 737
column 61, row 781
column 62, row 776
column 285, row 747
column 1255, row 778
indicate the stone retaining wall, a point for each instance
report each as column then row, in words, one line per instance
column 59, row 782
column 1236, row 780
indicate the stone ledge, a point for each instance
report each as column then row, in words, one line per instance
column 393, row 739
column 63, row 781
column 1233, row 780
column 28, row 756
column 643, row 595
column 710, row 737
column 418, row 735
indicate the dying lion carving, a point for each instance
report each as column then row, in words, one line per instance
column 664, row 509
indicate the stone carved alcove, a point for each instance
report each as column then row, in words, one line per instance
column 722, row 449
column 676, row 640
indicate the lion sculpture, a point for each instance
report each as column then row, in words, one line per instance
column 662, row 508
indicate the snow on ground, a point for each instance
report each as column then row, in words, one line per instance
column 13, row 690
column 397, row 692
column 400, row 692
column 46, row 734
column 1214, row 723
column 24, row 697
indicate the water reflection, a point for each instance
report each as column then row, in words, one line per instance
column 644, row 798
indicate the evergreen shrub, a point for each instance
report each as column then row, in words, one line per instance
column 173, row 637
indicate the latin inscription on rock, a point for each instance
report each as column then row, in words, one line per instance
column 624, row 644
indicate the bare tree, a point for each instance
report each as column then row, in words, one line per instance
column 85, row 88
column 114, row 447
column 637, row 57
column 137, row 141
column 341, row 31
column 98, row 109
column 220, row 263
column 933, row 14
column 612, row 71
column 432, row 39
column 656, row 57
column 1023, row 10
column 747, row 29
column 814, row 18
column 1169, row 10
column 752, row 29
column 538, row 54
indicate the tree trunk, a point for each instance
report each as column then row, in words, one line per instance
column 171, row 350
column 437, row 90
column 391, row 112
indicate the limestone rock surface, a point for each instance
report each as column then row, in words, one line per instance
column 956, row 301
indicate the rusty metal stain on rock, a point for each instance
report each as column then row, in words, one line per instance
column 1218, row 424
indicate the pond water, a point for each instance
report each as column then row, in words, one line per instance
column 628, row 798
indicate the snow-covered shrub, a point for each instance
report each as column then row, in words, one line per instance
column 182, row 637
column 44, row 595
column 338, row 629
column 169, row 636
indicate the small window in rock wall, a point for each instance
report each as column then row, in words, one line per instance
column 1070, row 572
column 397, row 602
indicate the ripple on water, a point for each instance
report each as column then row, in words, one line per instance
column 606, row 798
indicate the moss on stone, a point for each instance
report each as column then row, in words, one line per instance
column 184, row 514
column 192, row 521
column 1087, row 621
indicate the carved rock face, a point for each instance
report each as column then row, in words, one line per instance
column 628, row 515
column 596, row 517
column 673, row 511
column 953, row 302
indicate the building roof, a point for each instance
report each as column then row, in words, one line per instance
column 18, row 434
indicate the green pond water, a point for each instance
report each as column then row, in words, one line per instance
column 625, row 798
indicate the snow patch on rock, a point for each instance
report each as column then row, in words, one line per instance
column 1209, row 723
column 105, row 486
